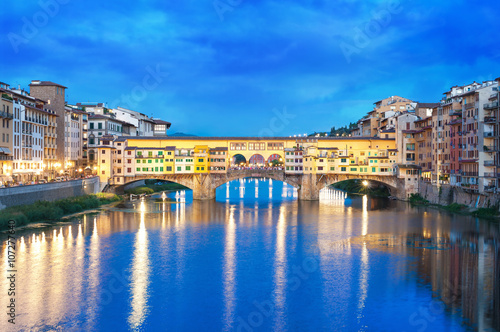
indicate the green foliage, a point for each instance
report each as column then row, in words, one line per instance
column 486, row 213
column 140, row 190
column 343, row 131
column 52, row 211
column 357, row 187
column 455, row 207
column 417, row 199
column 153, row 186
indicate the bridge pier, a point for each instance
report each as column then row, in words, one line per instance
column 309, row 189
column 203, row 187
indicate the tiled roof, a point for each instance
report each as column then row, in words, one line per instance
column 46, row 83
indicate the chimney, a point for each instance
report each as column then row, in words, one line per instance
column 35, row 81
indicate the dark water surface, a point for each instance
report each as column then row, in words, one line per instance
column 256, row 259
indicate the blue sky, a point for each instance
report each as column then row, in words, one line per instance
column 237, row 67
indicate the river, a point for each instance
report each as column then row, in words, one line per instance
column 257, row 259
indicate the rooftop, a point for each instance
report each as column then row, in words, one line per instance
column 46, row 83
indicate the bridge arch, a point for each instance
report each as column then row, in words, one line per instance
column 274, row 156
column 391, row 182
column 238, row 159
column 257, row 159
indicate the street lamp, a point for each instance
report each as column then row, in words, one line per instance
column 365, row 183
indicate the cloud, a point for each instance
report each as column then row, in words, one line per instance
column 226, row 77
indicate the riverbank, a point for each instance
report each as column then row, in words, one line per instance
column 490, row 213
column 359, row 188
column 53, row 211
column 153, row 186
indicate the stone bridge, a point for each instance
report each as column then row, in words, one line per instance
column 308, row 185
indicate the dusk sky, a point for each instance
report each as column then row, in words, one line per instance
column 235, row 67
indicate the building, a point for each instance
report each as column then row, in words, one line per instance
column 160, row 127
column 6, row 135
column 54, row 96
column 75, row 137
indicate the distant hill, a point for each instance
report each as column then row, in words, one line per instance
column 180, row 135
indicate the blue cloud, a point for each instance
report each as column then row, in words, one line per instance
column 225, row 77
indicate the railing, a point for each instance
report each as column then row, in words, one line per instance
column 490, row 148
column 6, row 115
column 4, row 157
column 490, row 119
column 469, row 173
column 490, row 189
column 489, row 134
column 489, row 175
column 491, row 105
column 469, row 105
column 489, row 163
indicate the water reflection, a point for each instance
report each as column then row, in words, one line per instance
column 229, row 272
column 140, row 274
column 214, row 260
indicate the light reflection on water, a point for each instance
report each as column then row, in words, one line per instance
column 256, row 258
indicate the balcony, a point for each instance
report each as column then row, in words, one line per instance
column 491, row 105
column 490, row 119
column 489, row 175
column 5, row 157
column 469, row 105
column 490, row 189
column 6, row 115
column 488, row 134
column 470, row 174
column 490, row 148
column 489, row 163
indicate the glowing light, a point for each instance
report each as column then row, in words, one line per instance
column 365, row 183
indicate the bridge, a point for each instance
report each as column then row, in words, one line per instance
column 205, row 163
column 308, row 185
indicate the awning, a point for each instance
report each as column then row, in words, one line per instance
column 5, row 150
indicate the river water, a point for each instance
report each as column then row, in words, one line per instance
column 257, row 259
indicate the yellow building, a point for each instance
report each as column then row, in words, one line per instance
column 138, row 156
column 201, row 159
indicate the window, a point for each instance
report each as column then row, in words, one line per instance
column 103, row 151
column 129, row 170
column 343, row 169
column 169, row 168
column 332, row 168
column 161, row 169
column 354, row 169
column 188, row 168
column 200, row 160
column 179, row 168
column 150, row 161
column 99, row 125
column 320, row 168
column 374, row 169
column 343, row 160
column 103, row 161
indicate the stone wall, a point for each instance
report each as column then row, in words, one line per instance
column 47, row 192
column 446, row 194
